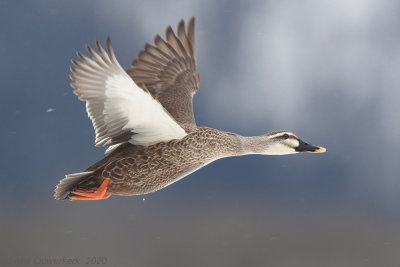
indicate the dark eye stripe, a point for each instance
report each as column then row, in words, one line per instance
column 286, row 136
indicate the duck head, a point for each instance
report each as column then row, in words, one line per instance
column 283, row 142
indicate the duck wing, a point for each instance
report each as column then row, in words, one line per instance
column 168, row 70
column 120, row 110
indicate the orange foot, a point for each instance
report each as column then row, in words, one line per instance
column 92, row 194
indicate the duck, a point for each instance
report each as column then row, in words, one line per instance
column 144, row 117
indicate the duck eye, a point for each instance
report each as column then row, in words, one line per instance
column 285, row 136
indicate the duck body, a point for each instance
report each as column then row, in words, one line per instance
column 137, row 170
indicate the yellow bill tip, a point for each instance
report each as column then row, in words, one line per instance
column 320, row 150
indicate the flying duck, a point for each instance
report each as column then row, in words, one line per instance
column 145, row 117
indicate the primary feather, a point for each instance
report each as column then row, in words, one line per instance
column 120, row 110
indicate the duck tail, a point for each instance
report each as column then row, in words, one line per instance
column 66, row 185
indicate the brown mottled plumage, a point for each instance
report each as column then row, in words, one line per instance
column 136, row 170
column 146, row 119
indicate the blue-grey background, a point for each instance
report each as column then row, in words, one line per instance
column 326, row 70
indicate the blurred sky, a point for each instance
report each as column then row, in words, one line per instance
column 325, row 70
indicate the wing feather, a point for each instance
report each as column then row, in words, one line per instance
column 168, row 70
column 120, row 110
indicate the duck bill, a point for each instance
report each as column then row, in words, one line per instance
column 307, row 148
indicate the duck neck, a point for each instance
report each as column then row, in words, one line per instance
column 254, row 144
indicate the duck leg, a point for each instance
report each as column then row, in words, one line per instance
column 92, row 194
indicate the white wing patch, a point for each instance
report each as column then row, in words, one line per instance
column 146, row 116
column 120, row 110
